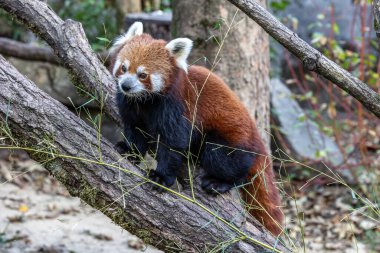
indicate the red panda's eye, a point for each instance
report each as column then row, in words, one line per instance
column 123, row 68
column 143, row 76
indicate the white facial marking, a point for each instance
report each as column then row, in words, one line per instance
column 157, row 82
column 116, row 67
column 180, row 49
column 126, row 64
column 140, row 69
column 134, row 30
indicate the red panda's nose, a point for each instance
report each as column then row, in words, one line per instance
column 127, row 82
column 126, row 87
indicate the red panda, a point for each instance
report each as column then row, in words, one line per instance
column 188, row 108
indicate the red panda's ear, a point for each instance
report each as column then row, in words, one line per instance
column 134, row 30
column 180, row 49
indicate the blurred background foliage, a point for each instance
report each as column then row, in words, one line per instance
column 98, row 18
column 342, row 31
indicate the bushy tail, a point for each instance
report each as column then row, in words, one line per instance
column 262, row 196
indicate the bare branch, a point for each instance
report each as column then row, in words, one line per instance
column 25, row 51
column 168, row 220
column 311, row 58
column 30, row 52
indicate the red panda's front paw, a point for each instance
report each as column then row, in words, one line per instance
column 122, row 148
column 215, row 186
column 161, row 179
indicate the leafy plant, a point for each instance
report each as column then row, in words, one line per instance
column 279, row 5
column 10, row 27
column 98, row 19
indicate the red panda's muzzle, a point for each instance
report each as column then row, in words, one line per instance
column 130, row 85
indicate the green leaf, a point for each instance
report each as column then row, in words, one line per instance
column 103, row 39
column 302, row 118
column 336, row 28
column 279, row 5
column 320, row 16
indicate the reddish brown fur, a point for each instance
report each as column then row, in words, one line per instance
column 217, row 108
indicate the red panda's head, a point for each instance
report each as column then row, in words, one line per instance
column 143, row 65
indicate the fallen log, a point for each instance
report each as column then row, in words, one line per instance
column 89, row 167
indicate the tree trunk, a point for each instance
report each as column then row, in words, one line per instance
column 30, row 52
column 243, row 61
column 123, row 7
column 128, row 6
column 91, row 169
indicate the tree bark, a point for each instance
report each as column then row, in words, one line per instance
column 243, row 62
column 311, row 58
column 25, row 51
column 70, row 44
column 123, row 7
column 91, row 169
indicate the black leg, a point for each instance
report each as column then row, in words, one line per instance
column 215, row 186
column 122, row 148
column 169, row 164
column 225, row 167
column 135, row 145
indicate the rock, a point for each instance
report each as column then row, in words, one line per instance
column 301, row 134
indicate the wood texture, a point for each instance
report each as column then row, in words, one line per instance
column 311, row 58
column 25, row 51
column 164, row 220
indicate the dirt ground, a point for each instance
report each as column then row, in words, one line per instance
column 328, row 219
column 38, row 215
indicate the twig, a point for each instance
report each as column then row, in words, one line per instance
column 30, row 52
